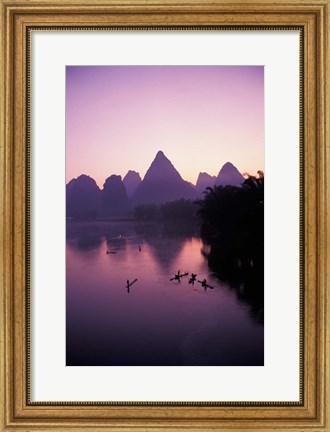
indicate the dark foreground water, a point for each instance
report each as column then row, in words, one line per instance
column 157, row 321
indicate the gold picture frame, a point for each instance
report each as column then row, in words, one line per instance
column 17, row 411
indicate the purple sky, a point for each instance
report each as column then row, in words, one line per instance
column 118, row 117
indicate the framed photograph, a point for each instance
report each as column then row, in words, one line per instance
column 165, row 231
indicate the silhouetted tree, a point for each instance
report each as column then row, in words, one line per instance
column 174, row 210
column 146, row 212
column 234, row 216
column 179, row 209
column 233, row 233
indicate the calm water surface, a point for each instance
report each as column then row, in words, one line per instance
column 158, row 322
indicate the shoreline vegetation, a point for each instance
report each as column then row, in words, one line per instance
column 232, row 230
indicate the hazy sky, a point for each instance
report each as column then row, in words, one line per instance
column 118, row 117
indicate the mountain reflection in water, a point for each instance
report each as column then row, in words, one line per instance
column 157, row 322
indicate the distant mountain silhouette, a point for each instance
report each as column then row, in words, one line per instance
column 114, row 197
column 229, row 175
column 204, row 180
column 162, row 183
column 83, row 198
column 131, row 181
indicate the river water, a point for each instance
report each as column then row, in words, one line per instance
column 156, row 321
